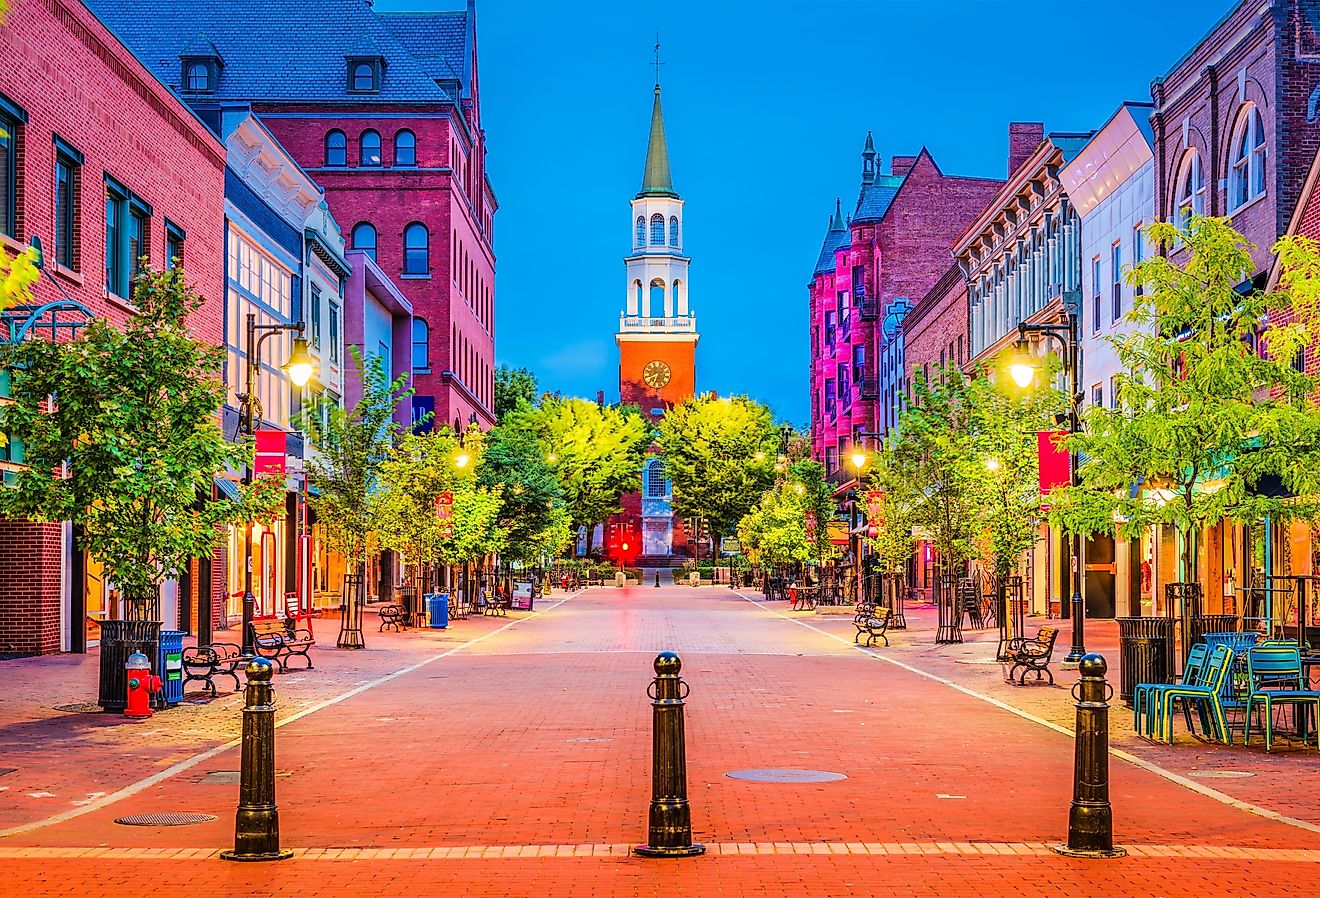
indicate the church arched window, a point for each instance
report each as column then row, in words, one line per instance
column 656, row 486
column 673, row 231
column 657, row 230
column 657, row 305
column 641, row 231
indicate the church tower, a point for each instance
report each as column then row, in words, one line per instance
column 657, row 332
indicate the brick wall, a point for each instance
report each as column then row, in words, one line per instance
column 937, row 322
column 30, row 588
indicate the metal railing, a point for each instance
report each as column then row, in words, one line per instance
column 651, row 323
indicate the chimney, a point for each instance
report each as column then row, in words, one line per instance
column 903, row 164
column 1023, row 138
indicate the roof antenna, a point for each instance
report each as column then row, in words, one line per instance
column 658, row 63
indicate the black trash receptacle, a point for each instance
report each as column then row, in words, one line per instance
column 119, row 639
column 1146, row 652
column 1213, row 623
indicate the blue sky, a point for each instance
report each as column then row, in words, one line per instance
column 766, row 104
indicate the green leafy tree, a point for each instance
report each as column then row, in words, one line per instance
column 776, row 531
column 351, row 446
column 595, row 451
column 477, row 532
column 513, row 386
column 534, row 515
column 17, row 275
column 136, row 427
column 720, row 456
column 1201, row 415
column 893, row 540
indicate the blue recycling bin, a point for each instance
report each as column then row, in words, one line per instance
column 438, row 604
column 170, row 665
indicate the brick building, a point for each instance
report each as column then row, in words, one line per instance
column 895, row 246
column 99, row 191
column 383, row 111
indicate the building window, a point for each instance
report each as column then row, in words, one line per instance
column 314, row 316
column 673, row 232
column 8, row 171
column 336, row 148
column 1116, row 276
column 416, row 249
column 139, row 238
column 830, row 318
column 1138, row 253
column 657, row 230
column 405, row 148
column 1299, row 360
column 333, row 328
column 421, row 345
column 1098, row 395
column 364, row 238
column 1095, row 300
column 361, row 76
column 369, row 149
column 1113, row 391
column 641, row 231
column 174, row 237
column 1246, row 178
column 199, row 77
column 116, row 265
column 66, row 208
column 657, row 487
column 1191, row 189
column 859, row 361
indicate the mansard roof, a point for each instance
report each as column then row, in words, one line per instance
column 293, row 50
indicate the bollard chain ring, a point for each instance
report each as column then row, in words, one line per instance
column 650, row 690
column 1109, row 692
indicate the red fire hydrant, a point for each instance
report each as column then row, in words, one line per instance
column 141, row 685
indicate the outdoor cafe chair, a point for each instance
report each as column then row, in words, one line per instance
column 1275, row 675
column 1145, row 697
column 1207, row 694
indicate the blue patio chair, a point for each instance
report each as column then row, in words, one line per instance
column 1206, row 694
column 1145, row 696
column 1275, row 674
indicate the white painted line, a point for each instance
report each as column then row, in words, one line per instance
column 189, row 763
column 1134, row 760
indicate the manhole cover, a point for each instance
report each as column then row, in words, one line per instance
column 221, row 777
column 80, row 708
column 785, row 775
column 591, row 739
column 174, row 819
column 1221, row 774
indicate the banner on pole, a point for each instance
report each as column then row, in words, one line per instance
column 1053, row 461
column 444, row 513
column 271, row 452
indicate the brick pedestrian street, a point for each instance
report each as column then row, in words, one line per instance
column 512, row 757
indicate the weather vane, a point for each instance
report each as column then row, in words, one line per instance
column 658, row 63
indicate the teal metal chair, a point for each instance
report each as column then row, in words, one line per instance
column 1205, row 694
column 1145, row 696
column 1275, row 674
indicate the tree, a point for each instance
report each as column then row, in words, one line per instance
column 720, row 456
column 513, row 387
column 776, row 530
column 17, row 275
column 350, row 448
column 1202, row 417
column 137, row 430
column 596, row 453
column 533, row 514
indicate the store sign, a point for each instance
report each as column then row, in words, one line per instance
column 1053, row 460
column 272, row 452
column 522, row 596
column 444, row 513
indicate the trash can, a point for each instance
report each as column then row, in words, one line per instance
column 438, row 605
column 1146, row 652
column 1213, row 623
column 170, row 665
column 119, row 639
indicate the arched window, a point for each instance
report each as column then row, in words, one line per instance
column 364, row 238
column 199, row 77
column 657, row 230
column 1246, row 176
column 656, row 487
column 637, row 286
column 1191, row 189
column 336, row 148
column 405, row 148
column 363, row 77
column 421, row 345
column 673, row 294
column 673, row 232
column 657, row 305
column 416, row 249
column 369, row 151
column 641, row 231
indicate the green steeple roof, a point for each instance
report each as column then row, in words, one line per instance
column 656, row 180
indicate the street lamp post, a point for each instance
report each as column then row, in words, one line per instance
column 859, row 461
column 1023, row 371
column 299, row 368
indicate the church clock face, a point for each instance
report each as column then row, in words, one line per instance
column 656, row 374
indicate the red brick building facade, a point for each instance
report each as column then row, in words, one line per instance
column 92, row 133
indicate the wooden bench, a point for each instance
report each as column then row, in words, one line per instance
column 273, row 639
column 872, row 621
column 206, row 662
column 392, row 616
column 1032, row 655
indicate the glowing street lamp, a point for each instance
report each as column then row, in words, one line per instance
column 1023, row 366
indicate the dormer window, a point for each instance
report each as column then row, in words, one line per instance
column 200, row 66
column 364, row 74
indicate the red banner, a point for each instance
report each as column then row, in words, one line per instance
column 1053, row 460
column 875, row 507
column 271, row 452
column 444, row 513
column 811, row 526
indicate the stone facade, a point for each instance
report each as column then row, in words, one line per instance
column 61, row 72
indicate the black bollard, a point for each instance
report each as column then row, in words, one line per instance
column 257, row 823
column 1090, row 818
column 657, row 579
column 669, row 833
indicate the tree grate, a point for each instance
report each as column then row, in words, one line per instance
column 169, row 819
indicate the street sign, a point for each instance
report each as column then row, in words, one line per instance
column 444, row 513
column 729, row 545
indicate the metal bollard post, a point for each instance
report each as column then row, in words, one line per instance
column 657, row 579
column 669, row 833
column 1090, row 818
column 257, row 823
